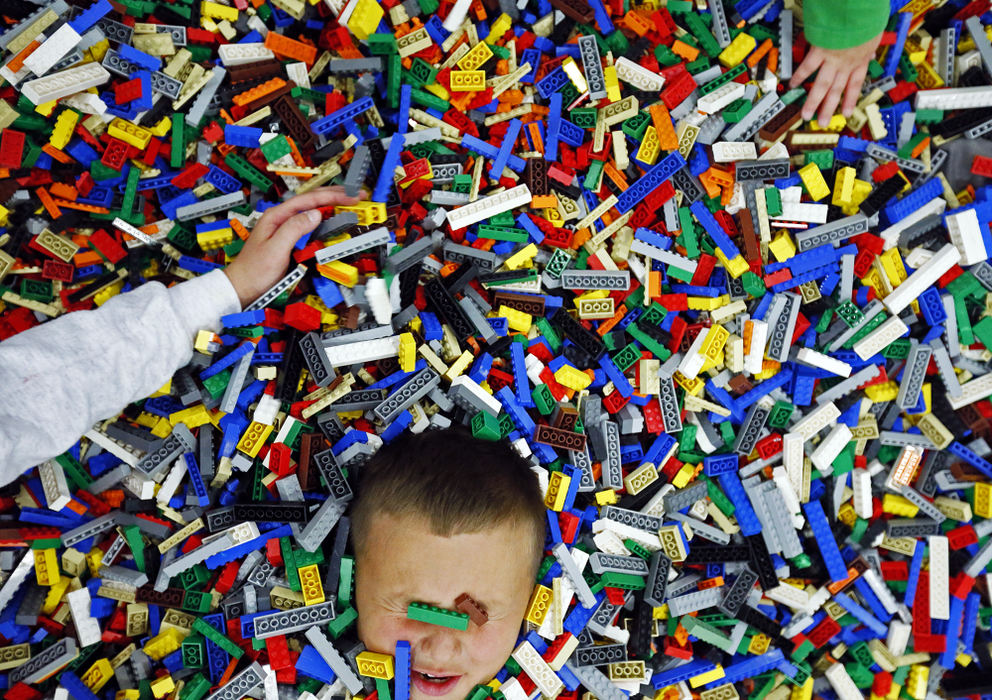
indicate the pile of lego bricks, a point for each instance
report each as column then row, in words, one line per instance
column 750, row 354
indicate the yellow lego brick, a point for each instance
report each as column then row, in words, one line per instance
column 880, row 393
column 759, row 644
column 340, row 272
column 813, row 180
column 539, row 605
column 108, row 292
column 64, row 126
column 162, row 644
column 983, row 500
column 468, row 80
column 782, row 247
column 606, row 497
column 133, row 134
column 368, row 212
column 375, row 665
column 408, row 352
column 736, row 266
column 612, row 83
column 313, row 590
column 572, row 378
column 717, row 673
column 715, row 339
column 254, row 437
column 522, row 258
column 897, row 505
column 53, row 599
column 694, row 386
column 131, row 694
column 215, row 10
column 518, row 320
column 46, row 567
column 162, row 686
column 193, row 417
column 891, row 262
column 479, row 54
column 97, row 675
column 742, row 45
column 707, row 303
column 162, row 127
column 4, row 215
column 650, row 146
column 558, row 483
column 683, row 476
column 365, row 18
column 660, row 612
column 206, row 342
column 162, row 428
column 836, row 124
column 211, row 240
column 843, row 186
column 501, row 26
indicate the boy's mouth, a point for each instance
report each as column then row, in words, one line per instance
column 433, row 684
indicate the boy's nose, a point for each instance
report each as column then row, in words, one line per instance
column 438, row 646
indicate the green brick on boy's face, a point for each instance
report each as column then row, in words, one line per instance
column 406, row 562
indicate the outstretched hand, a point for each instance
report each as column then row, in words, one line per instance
column 841, row 72
column 265, row 256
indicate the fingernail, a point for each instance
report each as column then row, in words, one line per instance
column 314, row 216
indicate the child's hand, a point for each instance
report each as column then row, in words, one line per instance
column 263, row 260
column 841, row 71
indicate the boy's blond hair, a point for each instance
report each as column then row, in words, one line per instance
column 457, row 482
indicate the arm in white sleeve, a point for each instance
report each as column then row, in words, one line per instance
column 61, row 377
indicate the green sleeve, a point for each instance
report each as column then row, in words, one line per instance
column 841, row 24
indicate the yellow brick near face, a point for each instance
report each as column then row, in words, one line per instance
column 137, row 136
column 522, row 258
column 717, row 673
column 539, row 605
column 606, row 498
column 558, row 484
column 812, row 178
column 375, row 665
column 650, row 146
column 468, row 80
column 46, row 567
column 313, row 591
column 738, row 50
column 64, row 125
column 97, row 675
column 162, row 686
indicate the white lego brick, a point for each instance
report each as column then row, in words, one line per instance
column 239, row 54
column 87, row 627
column 861, row 485
column 55, row 486
column 940, row 604
column 966, row 235
column 842, row 683
column 955, row 98
column 816, row 420
column 638, row 76
column 363, row 351
column 756, row 350
column 52, row 50
column 65, row 83
column 720, row 98
column 485, row 207
column 876, row 341
column 942, row 261
column 830, row 446
column 803, row 211
column 728, row 152
column 811, row 357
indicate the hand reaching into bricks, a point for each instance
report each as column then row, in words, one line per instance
column 265, row 256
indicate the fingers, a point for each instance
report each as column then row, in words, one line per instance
column 321, row 197
column 832, row 99
column 291, row 230
column 854, row 84
column 824, row 79
column 809, row 65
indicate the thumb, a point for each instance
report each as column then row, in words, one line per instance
column 296, row 226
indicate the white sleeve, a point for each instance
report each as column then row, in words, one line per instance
column 61, row 377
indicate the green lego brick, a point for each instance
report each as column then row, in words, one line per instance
column 437, row 616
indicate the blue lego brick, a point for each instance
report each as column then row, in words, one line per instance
column 746, row 517
column 825, row 540
column 715, row 465
column 242, row 136
column 649, row 182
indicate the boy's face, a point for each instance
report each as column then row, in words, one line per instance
column 404, row 562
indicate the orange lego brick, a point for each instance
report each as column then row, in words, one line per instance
column 284, row 47
column 46, row 201
column 269, row 86
column 667, row 139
